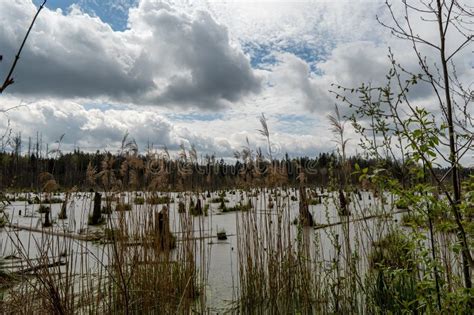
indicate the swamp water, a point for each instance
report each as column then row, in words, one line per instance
column 216, row 260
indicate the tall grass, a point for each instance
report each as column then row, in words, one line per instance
column 141, row 264
column 155, row 258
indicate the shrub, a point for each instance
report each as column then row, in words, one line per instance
column 401, row 204
column 412, row 219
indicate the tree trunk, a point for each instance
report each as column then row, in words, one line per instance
column 466, row 255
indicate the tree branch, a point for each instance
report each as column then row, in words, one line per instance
column 9, row 80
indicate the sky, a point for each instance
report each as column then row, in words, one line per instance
column 194, row 72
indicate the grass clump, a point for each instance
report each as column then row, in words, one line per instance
column 392, row 251
column 392, row 279
column 315, row 201
column 139, row 200
column 158, row 200
column 239, row 207
column 219, row 200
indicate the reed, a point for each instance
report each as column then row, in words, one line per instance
column 154, row 257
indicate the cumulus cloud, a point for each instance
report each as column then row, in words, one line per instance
column 196, row 51
column 187, row 57
column 348, row 65
column 94, row 128
column 164, row 58
column 351, row 65
column 293, row 76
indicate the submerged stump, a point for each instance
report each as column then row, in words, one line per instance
column 344, row 209
column 165, row 239
column 47, row 217
column 197, row 209
column 306, row 219
column 96, row 217
column 181, row 207
column 63, row 213
column 221, row 235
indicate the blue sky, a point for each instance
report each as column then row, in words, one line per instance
column 111, row 12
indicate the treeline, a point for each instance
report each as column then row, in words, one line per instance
column 137, row 171
column 71, row 169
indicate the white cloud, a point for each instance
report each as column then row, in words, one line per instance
column 165, row 58
column 187, row 57
column 93, row 129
